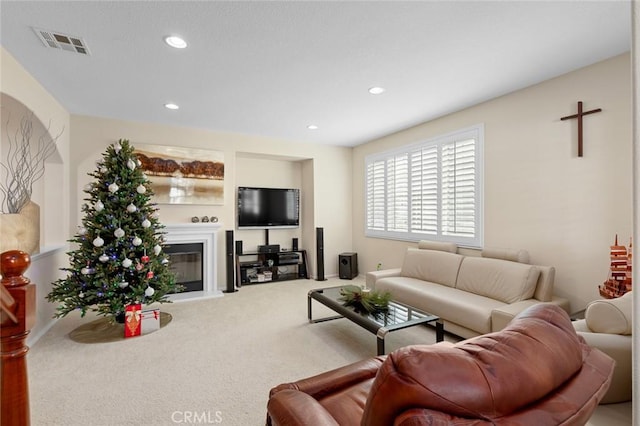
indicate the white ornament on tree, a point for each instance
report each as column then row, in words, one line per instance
column 146, row 223
column 103, row 258
column 141, row 189
column 149, row 291
column 126, row 263
column 119, row 233
column 130, row 164
column 123, row 284
column 99, row 206
column 88, row 187
column 157, row 249
column 117, row 147
column 131, row 208
column 98, row 242
column 136, row 241
column 113, row 188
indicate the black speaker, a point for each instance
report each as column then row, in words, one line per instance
column 348, row 266
column 320, row 253
column 302, row 270
column 294, row 244
column 230, row 263
column 239, row 247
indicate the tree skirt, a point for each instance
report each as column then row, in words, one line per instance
column 105, row 331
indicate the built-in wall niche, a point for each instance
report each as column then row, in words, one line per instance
column 48, row 192
column 260, row 171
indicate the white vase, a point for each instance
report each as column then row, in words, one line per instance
column 21, row 231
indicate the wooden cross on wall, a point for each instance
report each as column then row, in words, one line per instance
column 579, row 116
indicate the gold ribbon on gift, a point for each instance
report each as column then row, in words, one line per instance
column 133, row 313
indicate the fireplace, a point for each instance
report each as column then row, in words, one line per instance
column 192, row 250
column 185, row 261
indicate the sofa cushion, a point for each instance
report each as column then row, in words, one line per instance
column 438, row 245
column 612, row 316
column 468, row 310
column 431, row 265
column 521, row 256
column 502, row 280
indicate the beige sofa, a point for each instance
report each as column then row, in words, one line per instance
column 473, row 295
column 607, row 325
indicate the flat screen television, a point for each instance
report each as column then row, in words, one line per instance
column 261, row 208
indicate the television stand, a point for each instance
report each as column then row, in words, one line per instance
column 262, row 267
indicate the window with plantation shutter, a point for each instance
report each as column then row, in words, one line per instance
column 429, row 190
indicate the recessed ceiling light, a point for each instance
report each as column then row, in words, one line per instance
column 312, row 127
column 175, row 41
column 171, row 106
column 376, row 90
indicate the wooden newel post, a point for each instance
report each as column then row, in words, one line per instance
column 16, row 319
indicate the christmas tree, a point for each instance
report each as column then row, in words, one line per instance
column 119, row 258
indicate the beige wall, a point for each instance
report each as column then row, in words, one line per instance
column 20, row 91
column 539, row 195
column 321, row 172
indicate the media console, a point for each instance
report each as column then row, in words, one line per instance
column 260, row 267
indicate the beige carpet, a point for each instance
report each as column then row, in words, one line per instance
column 214, row 363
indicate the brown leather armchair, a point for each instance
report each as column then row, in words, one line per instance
column 535, row 371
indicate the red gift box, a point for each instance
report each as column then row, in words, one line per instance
column 132, row 320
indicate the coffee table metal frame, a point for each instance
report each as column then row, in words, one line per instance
column 380, row 326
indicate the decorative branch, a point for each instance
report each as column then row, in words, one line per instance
column 24, row 165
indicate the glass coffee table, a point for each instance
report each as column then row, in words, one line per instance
column 397, row 317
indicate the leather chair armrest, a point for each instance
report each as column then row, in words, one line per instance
column 291, row 407
column 335, row 380
column 503, row 315
column 426, row 417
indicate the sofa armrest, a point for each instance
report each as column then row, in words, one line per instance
column 617, row 347
column 334, row 380
column 374, row 276
column 291, row 407
column 610, row 315
column 503, row 315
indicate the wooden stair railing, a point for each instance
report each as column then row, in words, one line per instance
column 17, row 316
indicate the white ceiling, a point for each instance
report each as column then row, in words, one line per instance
column 271, row 68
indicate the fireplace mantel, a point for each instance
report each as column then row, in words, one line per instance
column 207, row 234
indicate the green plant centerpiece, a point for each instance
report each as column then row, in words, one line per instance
column 365, row 301
column 120, row 258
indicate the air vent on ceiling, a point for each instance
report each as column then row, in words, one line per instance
column 62, row 41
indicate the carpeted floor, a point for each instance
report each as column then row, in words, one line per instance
column 214, row 363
